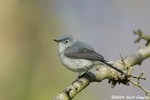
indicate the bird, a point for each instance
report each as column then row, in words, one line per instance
column 78, row 56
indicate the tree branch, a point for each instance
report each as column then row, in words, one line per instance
column 142, row 36
column 140, row 86
column 102, row 72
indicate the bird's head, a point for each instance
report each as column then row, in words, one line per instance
column 64, row 42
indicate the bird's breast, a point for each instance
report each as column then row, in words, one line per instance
column 76, row 65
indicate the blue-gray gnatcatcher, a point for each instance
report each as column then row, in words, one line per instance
column 78, row 56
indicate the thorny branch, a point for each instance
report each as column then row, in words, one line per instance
column 114, row 77
column 136, row 77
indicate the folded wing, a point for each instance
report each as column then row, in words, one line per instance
column 80, row 50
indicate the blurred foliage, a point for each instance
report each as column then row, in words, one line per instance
column 27, row 59
column 29, row 62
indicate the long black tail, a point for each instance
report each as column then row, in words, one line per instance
column 110, row 65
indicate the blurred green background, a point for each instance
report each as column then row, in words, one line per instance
column 29, row 65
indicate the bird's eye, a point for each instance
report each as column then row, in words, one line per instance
column 66, row 41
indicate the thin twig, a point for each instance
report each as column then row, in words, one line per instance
column 140, row 86
column 141, row 36
column 137, row 77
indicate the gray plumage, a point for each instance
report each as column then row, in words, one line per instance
column 78, row 56
column 80, row 50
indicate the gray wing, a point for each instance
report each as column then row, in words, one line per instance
column 80, row 50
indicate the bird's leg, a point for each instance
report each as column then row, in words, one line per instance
column 86, row 71
column 77, row 77
column 81, row 74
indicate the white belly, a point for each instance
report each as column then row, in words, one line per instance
column 76, row 65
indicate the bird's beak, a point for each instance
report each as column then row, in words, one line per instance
column 56, row 40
